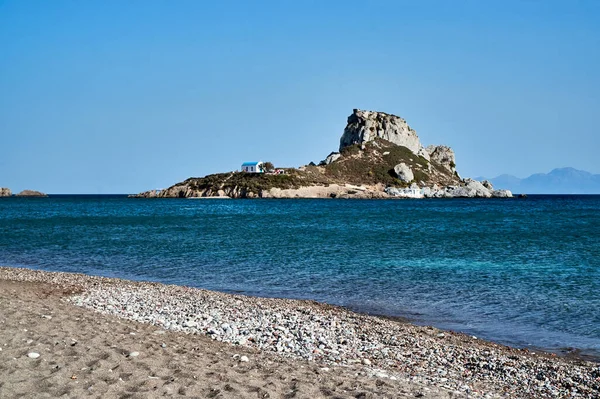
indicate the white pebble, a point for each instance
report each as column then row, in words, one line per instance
column 134, row 354
column 244, row 359
column 33, row 355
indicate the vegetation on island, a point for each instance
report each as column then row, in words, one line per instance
column 371, row 163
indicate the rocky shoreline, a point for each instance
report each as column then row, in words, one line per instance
column 309, row 331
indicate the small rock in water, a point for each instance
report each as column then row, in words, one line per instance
column 134, row 354
column 244, row 359
column 33, row 355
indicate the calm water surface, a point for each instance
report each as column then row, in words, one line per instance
column 520, row 272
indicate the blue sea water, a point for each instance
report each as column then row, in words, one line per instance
column 523, row 272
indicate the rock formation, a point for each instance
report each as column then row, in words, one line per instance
column 334, row 156
column 380, row 156
column 31, row 193
column 443, row 155
column 365, row 126
column 468, row 189
column 404, row 172
column 5, row 192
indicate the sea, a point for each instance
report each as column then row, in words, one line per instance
column 522, row 272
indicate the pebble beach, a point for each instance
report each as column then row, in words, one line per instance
column 329, row 351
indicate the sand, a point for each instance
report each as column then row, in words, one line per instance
column 85, row 354
column 71, row 335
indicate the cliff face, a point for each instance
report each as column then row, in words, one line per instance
column 365, row 126
column 368, row 126
column 443, row 155
column 5, row 192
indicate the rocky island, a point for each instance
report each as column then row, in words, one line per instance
column 380, row 156
column 31, row 193
column 5, row 192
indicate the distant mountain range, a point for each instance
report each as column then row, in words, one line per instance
column 558, row 181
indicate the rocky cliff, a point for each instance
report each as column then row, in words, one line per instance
column 365, row 126
column 5, row 192
column 379, row 155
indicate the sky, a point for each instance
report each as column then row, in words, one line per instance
column 109, row 96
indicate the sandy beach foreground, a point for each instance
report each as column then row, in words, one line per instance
column 71, row 335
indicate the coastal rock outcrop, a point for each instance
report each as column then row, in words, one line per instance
column 468, row 189
column 5, row 192
column 31, row 193
column 365, row 126
column 404, row 173
column 443, row 155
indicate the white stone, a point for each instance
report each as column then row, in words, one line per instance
column 33, row 355
column 404, row 172
column 244, row 359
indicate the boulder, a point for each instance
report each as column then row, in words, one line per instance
column 404, row 172
column 487, row 184
column 471, row 189
column 502, row 194
column 5, row 192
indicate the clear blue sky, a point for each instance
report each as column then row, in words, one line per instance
column 125, row 96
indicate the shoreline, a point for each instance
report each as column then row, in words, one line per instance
column 300, row 331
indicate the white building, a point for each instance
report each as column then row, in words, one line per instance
column 253, row 167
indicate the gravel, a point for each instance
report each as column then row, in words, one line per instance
column 383, row 348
